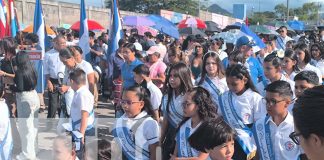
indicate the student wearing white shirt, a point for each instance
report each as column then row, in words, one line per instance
column 197, row 107
column 82, row 112
column 304, row 59
column 283, row 38
column 178, row 83
column 141, row 76
column 213, row 76
column 6, row 142
column 273, row 72
column 289, row 64
column 53, row 66
column 136, row 132
column 241, row 106
column 271, row 133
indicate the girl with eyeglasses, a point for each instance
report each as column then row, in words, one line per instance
column 241, row 106
column 136, row 132
column 304, row 59
column 197, row 108
column 178, row 83
column 213, row 76
column 317, row 52
column 273, row 72
column 271, row 132
column 216, row 46
column 308, row 115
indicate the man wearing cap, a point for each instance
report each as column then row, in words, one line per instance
column 216, row 45
column 156, row 65
column 283, row 38
column 244, row 45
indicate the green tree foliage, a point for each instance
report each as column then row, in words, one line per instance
column 307, row 12
column 154, row 6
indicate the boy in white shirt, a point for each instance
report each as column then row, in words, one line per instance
column 82, row 113
column 141, row 76
column 271, row 133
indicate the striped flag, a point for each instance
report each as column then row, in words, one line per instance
column 13, row 19
column 84, row 32
column 115, row 33
column 3, row 19
column 39, row 29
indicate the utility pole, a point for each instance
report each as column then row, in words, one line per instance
column 287, row 10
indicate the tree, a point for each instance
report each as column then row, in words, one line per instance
column 154, row 6
column 281, row 10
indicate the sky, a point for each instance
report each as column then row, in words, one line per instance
column 265, row 5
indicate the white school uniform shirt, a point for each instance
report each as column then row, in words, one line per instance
column 281, row 42
column 83, row 100
column 283, row 147
column 53, row 64
column 320, row 66
column 309, row 67
column 219, row 83
column 221, row 54
column 260, row 86
column 146, row 134
column 178, row 108
column 248, row 106
column 156, row 95
column 185, row 147
column 5, row 131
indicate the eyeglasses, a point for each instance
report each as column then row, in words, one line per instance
column 295, row 137
column 281, row 31
column 128, row 102
column 271, row 102
column 315, row 50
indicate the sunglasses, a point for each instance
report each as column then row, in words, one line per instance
column 295, row 137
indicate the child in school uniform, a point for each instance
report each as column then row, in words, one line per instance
column 82, row 112
column 271, row 132
column 273, row 72
column 178, row 83
column 141, row 76
column 6, row 142
column 136, row 132
column 197, row 107
column 215, row 137
column 241, row 106
column 213, row 76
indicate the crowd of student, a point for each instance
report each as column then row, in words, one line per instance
column 192, row 98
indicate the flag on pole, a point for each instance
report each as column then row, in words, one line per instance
column 259, row 43
column 3, row 19
column 84, row 32
column 115, row 33
column 39, row 29
column 13, row 19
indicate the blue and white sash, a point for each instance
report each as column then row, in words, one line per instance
column 262, row 135
column 75, row 123
column 5, row 154
column 212, row 85
column 184, row 148
column 245, row 135
column 123, row 135
column 174, row 117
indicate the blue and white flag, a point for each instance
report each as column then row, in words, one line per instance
column 259, row 43
column 115, row 33
column 40, row 30
column 84, row 32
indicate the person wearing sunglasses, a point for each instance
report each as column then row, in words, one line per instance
column 216, row 46
column 283, row 38
column 271, row 133
column 308, row 116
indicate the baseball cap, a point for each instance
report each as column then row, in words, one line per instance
column 153, row 49
column 244, row 40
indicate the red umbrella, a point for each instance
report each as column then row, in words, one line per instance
column 92, row 25
column 192, row 22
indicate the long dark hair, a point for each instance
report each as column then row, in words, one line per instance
column 132, row 48
column 320, row 48
column 239, row 71
column 220, row 68
column 184, row 73
column 143, row 94
column 289, row 53
column 8, row 44
column 303, row 47
column 206, row 107
column 26, row 69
